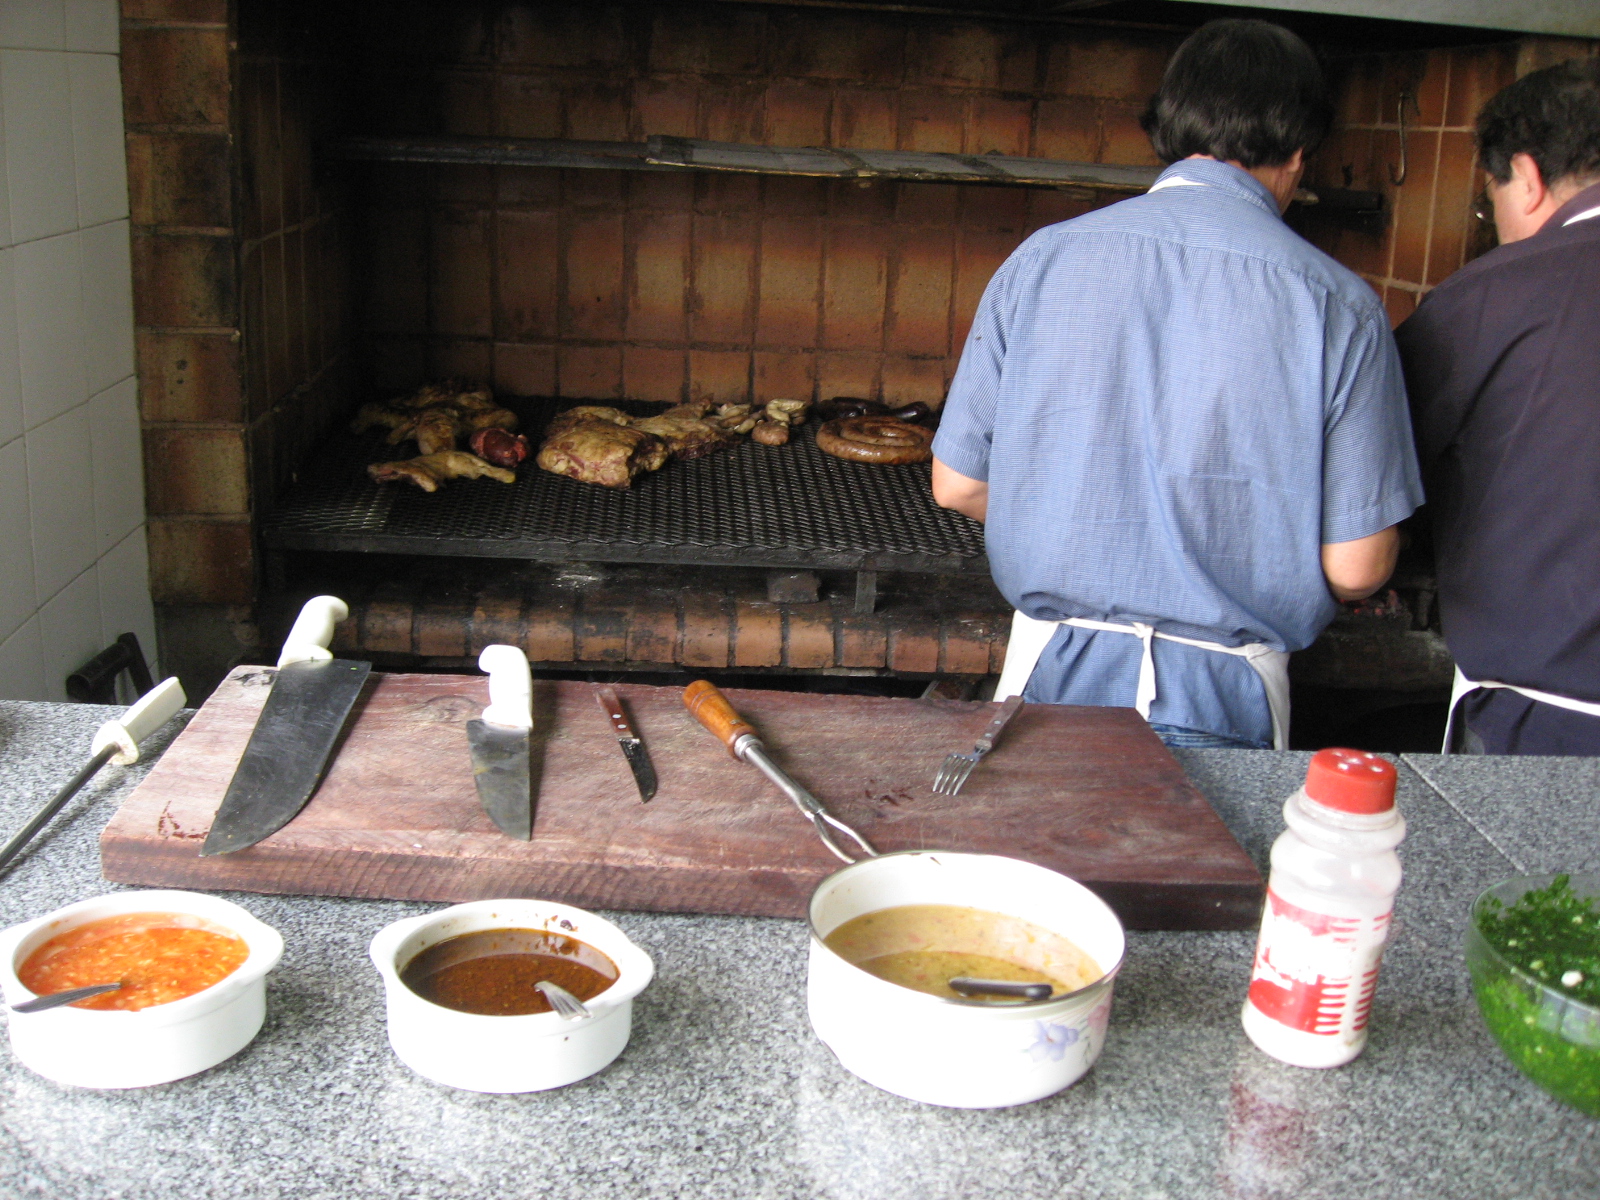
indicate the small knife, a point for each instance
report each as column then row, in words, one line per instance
column 294, row 736
column 632, row 748
column 500, row 742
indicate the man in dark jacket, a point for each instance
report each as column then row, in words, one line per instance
column 1502, row 364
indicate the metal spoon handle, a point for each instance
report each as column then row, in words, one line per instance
column 57, row 999
column 968, row 986
column 563, row 1001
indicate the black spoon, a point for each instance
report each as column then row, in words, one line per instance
column 965, row 986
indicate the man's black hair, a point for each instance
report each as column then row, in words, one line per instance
column 1242, row 91
column 1551, row 115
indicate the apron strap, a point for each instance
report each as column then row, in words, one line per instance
column 1029, row 637
column 1462, row 685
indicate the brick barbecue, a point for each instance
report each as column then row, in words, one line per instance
column 278, row 283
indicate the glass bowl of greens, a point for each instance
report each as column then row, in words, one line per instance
column 1533, row 950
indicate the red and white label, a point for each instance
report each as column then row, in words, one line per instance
column 1314, row 972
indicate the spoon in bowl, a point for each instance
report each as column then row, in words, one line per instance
column 563, row 1001
column 964, row 985
column 72, row 995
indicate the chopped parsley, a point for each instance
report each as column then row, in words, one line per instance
column 1553, row 934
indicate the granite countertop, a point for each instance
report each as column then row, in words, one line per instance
column 724, row 1091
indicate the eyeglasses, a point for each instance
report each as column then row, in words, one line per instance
column 1483, row 207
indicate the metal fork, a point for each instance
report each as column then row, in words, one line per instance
column 563, row 1001
column 958, row 766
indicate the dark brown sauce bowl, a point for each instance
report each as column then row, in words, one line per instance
column 495, row 972
column 507, row 1051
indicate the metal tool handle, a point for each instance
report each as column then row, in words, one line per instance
column 510, row 687
column 57, row 999
column 148, row 714
column 965, row 985
column 754, row 753
column 611, row 705
column 312, row 631
column 563, row 1001
column 1009, row 709
column 711, row 708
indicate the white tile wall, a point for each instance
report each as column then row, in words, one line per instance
column 36, row 95
column 100, row 160
column 18, row 600
column 106, row 271
column 73, row 554
column 69, row 628
column 118, row 466
column 33, row 24
column 61, row 494
column 22, row 664
column 94, row 25
column 47, row 280
column 124, row 573
column 5, row 188
column 10, row 378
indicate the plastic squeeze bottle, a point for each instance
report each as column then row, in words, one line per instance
column 1330, row 897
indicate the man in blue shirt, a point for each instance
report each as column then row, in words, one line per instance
column 1184, row 426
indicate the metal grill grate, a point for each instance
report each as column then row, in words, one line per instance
column 786, row 506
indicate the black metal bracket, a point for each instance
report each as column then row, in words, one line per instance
column 96, row 681
column 866, row 591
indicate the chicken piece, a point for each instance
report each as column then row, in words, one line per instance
column 431, row 470
column 600, row 450
column 474, row 400
column 378, row 415
column 429, row 395
column 437, row 429
column 685, row 436
column 695, row 408
column 473, row 420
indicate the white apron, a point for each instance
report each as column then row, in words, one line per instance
column 1029, row 638
column 1463, row 685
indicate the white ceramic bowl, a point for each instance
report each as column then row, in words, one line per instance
column 960, row 1053
column 528, row 1053
column 119, row 1049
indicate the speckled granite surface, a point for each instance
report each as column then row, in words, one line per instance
column 724, row 1092
column 1541, row 813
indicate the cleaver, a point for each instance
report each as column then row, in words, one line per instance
column 500, row 742
column 299, row 724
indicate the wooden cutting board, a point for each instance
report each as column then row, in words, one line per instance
column 1090, row 792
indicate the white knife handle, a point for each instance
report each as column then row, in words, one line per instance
column 510, row 687
column 148, row 714
column 313, row 630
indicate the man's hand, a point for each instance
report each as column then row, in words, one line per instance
column 969, row 497
column 1355, row 570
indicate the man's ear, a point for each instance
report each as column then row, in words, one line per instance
column 1530, row 182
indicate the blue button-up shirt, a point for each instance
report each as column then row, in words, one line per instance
column 1176, row 401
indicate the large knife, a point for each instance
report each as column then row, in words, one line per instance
column 500, row 742
column 632, row 748
column 299, row 724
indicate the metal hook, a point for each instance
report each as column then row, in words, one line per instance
column 1399, row 178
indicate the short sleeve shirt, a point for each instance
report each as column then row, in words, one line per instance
column 1175, row 402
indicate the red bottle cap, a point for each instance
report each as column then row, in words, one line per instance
column 1352, row 781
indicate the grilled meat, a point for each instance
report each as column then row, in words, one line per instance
column 599, row 450
column 499, row 447
column 686, row 436
column 431, row 470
